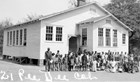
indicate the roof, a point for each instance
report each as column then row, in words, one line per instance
column 51, row 15
column 68, row 10
column 97, row 19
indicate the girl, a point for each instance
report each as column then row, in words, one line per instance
column 94, row 63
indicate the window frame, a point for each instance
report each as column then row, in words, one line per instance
column 115, row 38
column 21, row 37
column 17, row 37
column 8, row 38
column 123, row 39
column 14, row 33
column 11, row 37
column 59, row 32
column 49, row 32
column 108, row 37
column 83, row 36
column 24, row 37
column 100, row 37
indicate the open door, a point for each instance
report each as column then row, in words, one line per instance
column 73, row 44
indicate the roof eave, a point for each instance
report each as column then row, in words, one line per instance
column 21, row 24
column 62, row 12
column 122, row 23
column 45, row 17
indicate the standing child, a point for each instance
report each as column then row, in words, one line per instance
column 94, row 62
column 84, row 61
column 59, row 60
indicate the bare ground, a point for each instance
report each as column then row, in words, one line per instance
column 11, row 72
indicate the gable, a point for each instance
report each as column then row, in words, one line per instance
column 90, row 10
column 82, row 13
column 110, row 17
column 89, row 7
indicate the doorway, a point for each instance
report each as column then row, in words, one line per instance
column 73, row 44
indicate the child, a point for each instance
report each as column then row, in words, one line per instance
column 113, row 66
column 88, row 60
column 94, row 66
column 84, row 61
column 56, row 63
column 76, row 63
column 52, row 61
column 80, row 61
column 72, row 63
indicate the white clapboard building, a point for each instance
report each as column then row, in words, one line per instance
column 88, row 27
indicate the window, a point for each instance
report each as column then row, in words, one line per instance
column 108, row 21
column 58, row 33
column 17, row 34
column 84, row 36
column 123, row 38
column 25, row 37
column 100, row 37
column 10, row 37
column 49, row 33
column 21, row 37
column 115, row 38
column 108, row 42
column 7, row 38
column 13, row 38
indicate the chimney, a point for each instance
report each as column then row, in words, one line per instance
column 81, row 2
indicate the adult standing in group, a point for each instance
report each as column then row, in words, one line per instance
column 48, row 56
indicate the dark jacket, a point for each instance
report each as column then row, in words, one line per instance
column 48, row 55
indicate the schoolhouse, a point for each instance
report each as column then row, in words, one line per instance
column 88, row 27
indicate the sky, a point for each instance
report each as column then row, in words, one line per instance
column 17, row 10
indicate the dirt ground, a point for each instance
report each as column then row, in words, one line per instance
column 11, row 72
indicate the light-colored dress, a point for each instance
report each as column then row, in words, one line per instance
column 114, row 68
column 94, row 67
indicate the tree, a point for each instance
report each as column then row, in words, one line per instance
column 128, row 11
column 77, row 3
column 3, row 24
column 32, row 17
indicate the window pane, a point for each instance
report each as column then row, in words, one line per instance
column 100, row 31
column 58, row 37
column 107, row 41
column 100, row 41
column 49, row 37
column 107, row 32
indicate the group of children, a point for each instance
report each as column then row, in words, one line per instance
column 87, row 61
